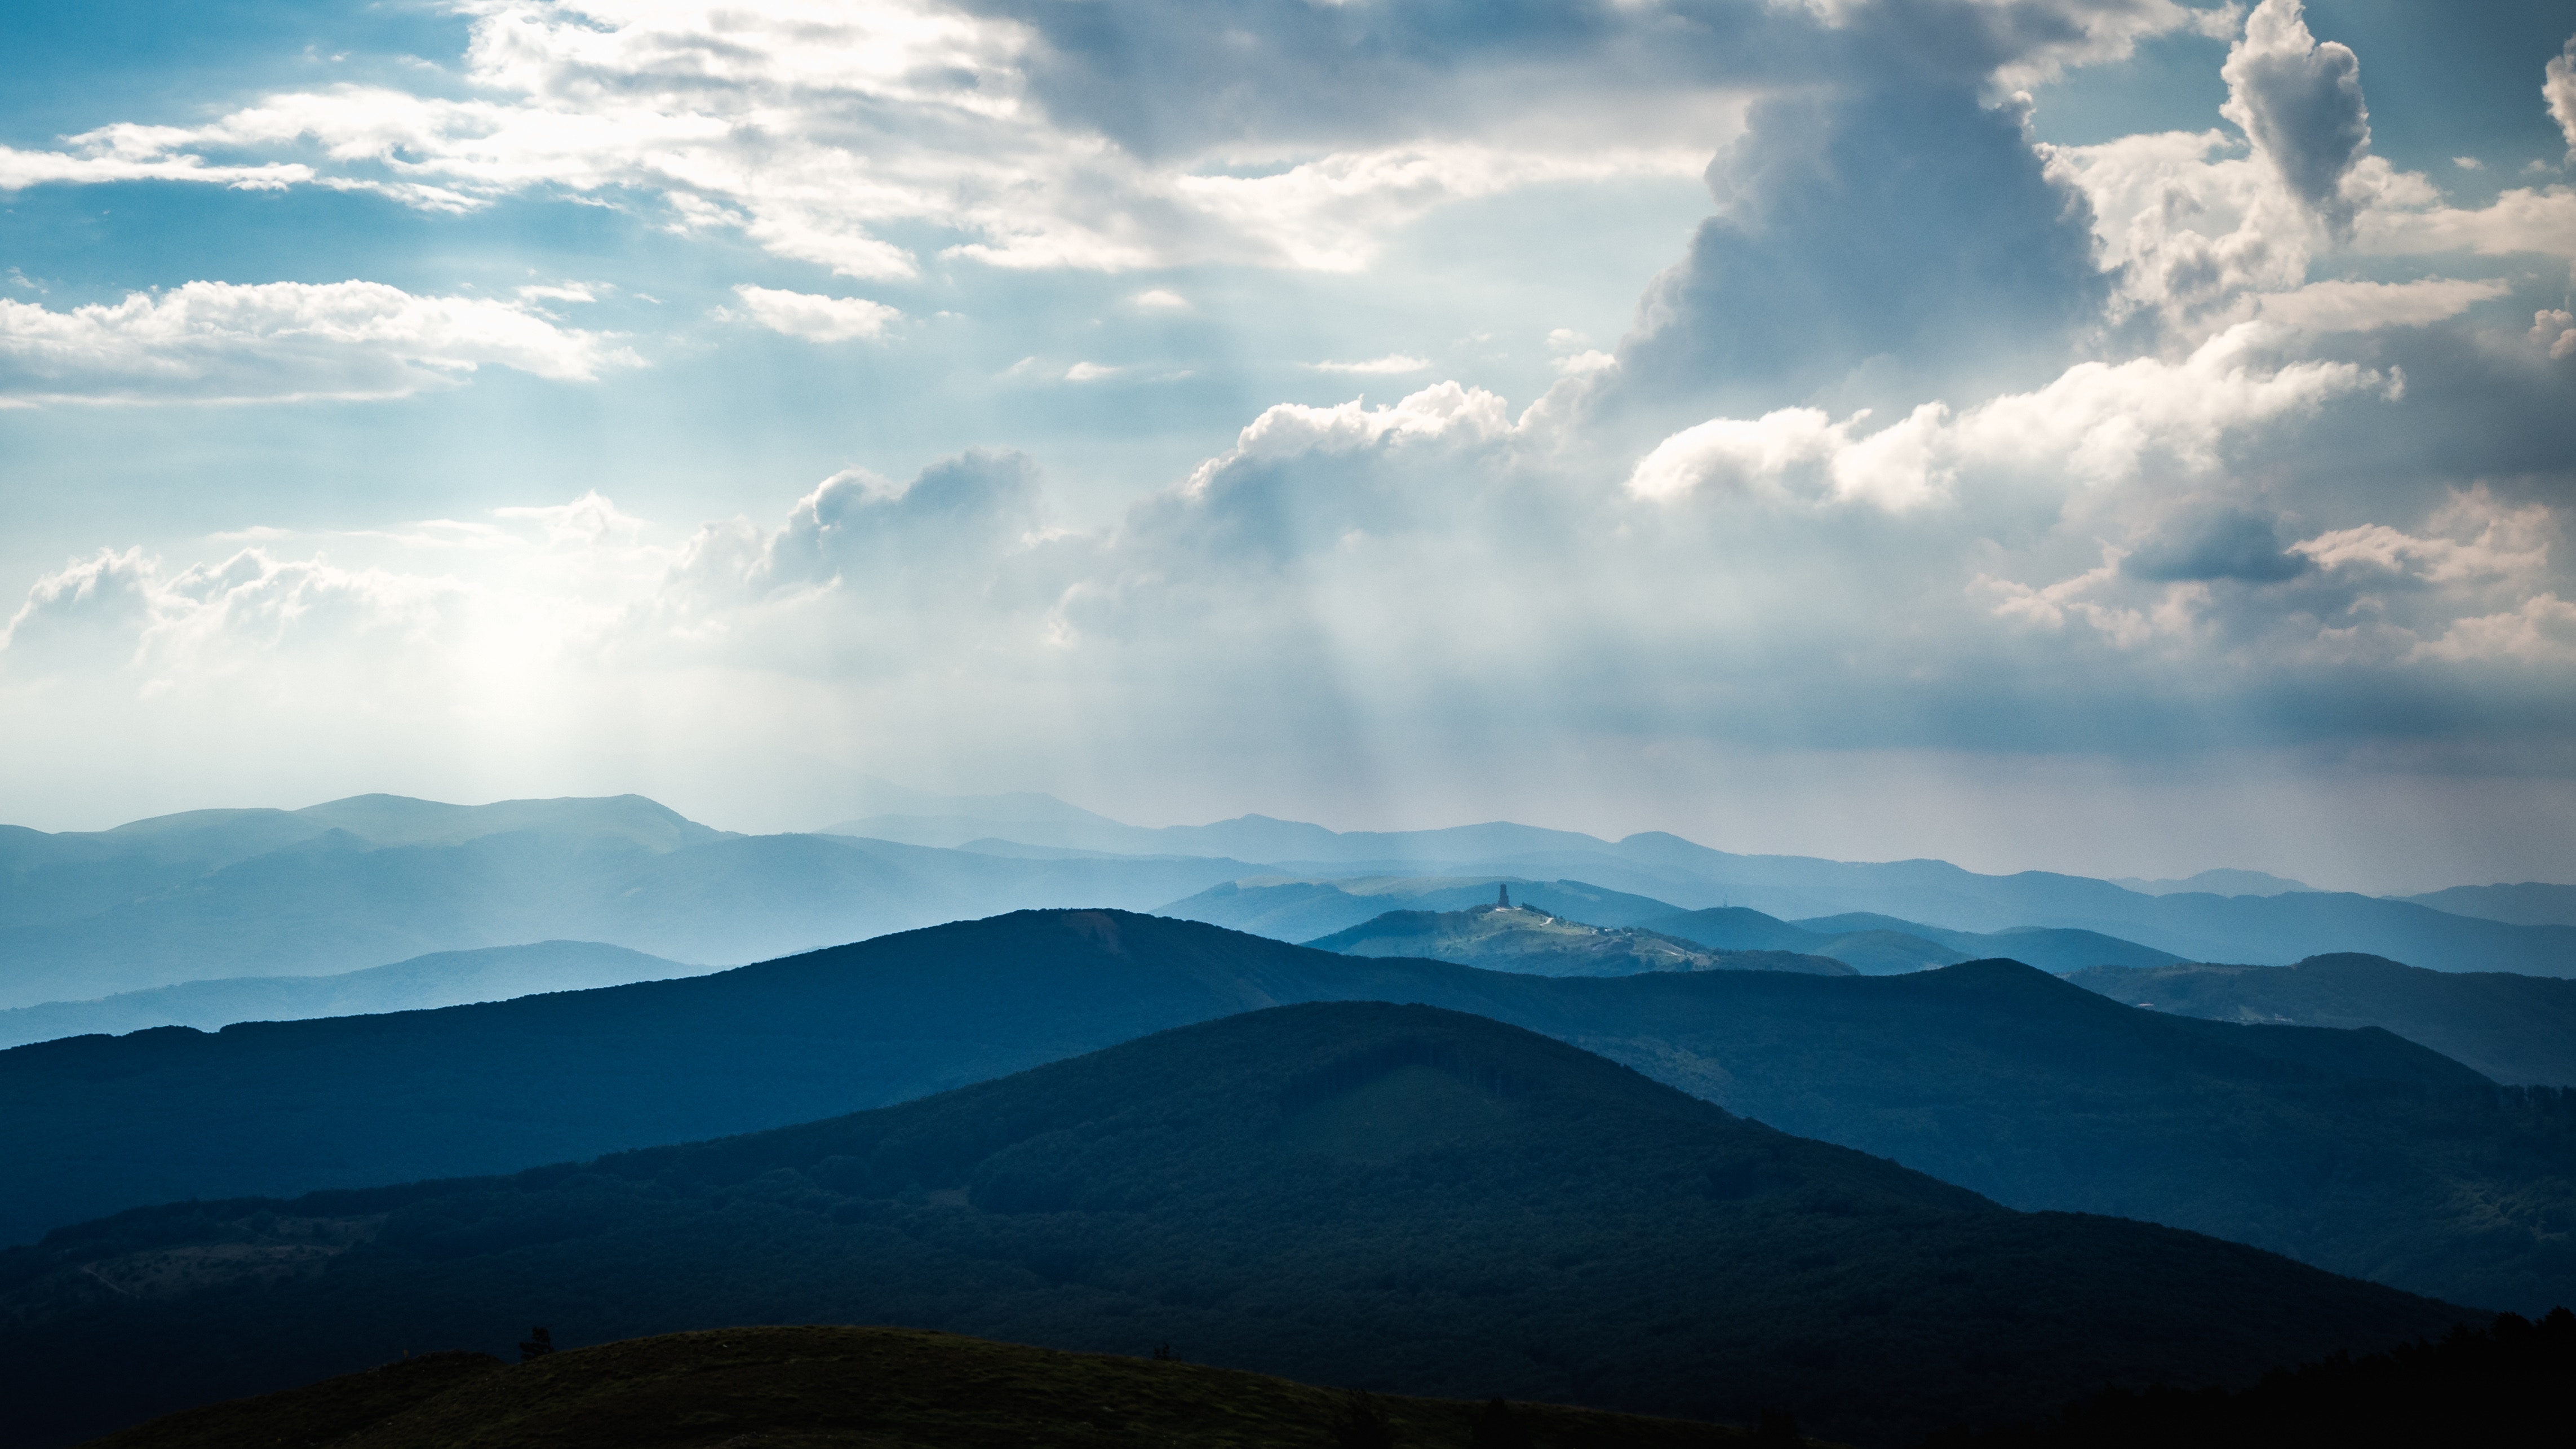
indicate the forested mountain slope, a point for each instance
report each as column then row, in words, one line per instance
column 2355, row 1150
column 1378, row 1196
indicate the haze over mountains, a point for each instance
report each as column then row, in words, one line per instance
column 445, row 978
column 374, row 880
column 1991, row 1075
column 1380, row 1196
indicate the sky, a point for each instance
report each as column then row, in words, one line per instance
column 2114, row 436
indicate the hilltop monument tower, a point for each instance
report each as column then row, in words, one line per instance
column 1502, row 897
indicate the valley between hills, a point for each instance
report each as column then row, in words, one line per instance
column 1422, row 1138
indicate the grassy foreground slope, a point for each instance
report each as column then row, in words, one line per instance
column 1394, row 1198
column 2519, row 1029
column 885, row 1388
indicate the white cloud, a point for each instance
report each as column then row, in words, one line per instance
column 2558, row 92
column 2468, row 163
column 128, row 609
column 99, row 161
column 2300, row 102
column 1443, row 411
column 589, row 521
column 215, row 341
column 1159, row 299
column 2555, row 329
column 814, row 318
column 2367, row 306
column 1394, row 364
column 1091, row 372
column 814, row 126
column 1584, row 364
column 2096, row 424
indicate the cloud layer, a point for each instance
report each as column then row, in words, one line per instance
column 217, row 342
column 2188, row 448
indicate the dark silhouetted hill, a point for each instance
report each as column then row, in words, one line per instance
column 2354, row 1150
column 447, row 978
column 1372, row 1196
column 2519, row 1029
column 1524, row 939
column 890, row 1387
column 2505, row 1384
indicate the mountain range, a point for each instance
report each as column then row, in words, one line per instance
column 378, row 879
column 2353, row 1150
column 2513, row 1028
column 1384, row 1197
column 371, row 880
column 445, row 978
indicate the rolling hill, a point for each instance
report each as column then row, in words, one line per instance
column 2353, row 1150
column 2518, row 1029
column 1373, row 1196
column 1524, row 939
column 447, row 978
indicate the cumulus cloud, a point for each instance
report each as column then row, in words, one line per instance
column 1895, row 220
column 2097, row 424
column 215, row 341
column 2473, row 583
column 128, row 609
column 857, row 531
column 2300, row 102
column 2201, row 231
column 2226, row 542
column 816, row 319
column 2558, row 92
column 2555, row 329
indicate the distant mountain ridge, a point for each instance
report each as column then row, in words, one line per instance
column 446, row 978
column 220, row 894
column 2528, row 904
column 358, row 883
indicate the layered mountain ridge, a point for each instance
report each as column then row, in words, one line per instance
column 1372, row 1195
column 1991, row 1075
